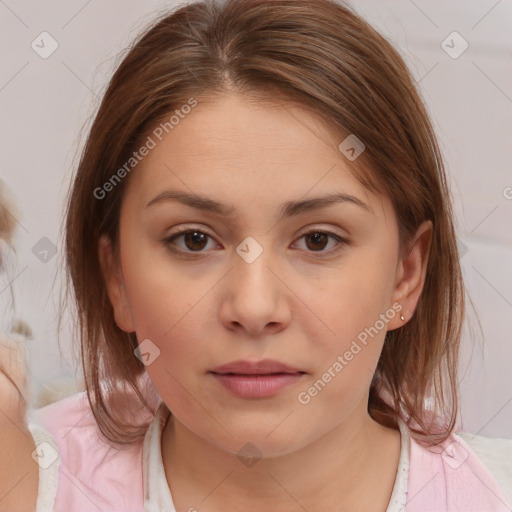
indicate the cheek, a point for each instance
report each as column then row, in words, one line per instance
column 354, row 296
column 160, row 294
column 354, row 305
column 166, row 306
column 346, row 358
column 170, row 320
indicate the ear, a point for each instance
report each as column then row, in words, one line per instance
column 410, row 276
column 115, row 285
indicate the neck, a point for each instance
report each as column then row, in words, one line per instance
column 351, row 467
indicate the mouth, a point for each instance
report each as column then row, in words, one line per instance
column 260, row 379
column 263, row 367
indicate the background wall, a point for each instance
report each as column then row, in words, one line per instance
column 56, row 58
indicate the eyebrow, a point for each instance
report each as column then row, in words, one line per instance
column 288, row 209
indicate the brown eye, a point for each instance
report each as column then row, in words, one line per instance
column 195, row 240
column 318, row 241
column 321, row 242
column 188, row 242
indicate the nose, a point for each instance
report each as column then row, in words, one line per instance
column 254, row 297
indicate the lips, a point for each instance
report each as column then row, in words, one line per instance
column 263, row 367
column 261, row 379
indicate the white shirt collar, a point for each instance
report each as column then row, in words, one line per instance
column 157, row 495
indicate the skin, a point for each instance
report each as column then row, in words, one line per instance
column 301, row 302
column 19, row 474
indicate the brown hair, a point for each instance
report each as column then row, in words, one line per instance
column 326, row 58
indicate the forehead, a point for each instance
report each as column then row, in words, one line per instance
column 235, row 147
column 236, row 126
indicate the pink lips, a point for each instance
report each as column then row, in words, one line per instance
column 256, row 379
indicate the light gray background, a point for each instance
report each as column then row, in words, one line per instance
column 45, row 103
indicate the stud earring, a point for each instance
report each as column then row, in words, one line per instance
column 402, row 317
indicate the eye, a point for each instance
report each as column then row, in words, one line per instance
column 317, row 241
column 193, row 241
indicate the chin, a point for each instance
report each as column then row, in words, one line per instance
column 255, row 443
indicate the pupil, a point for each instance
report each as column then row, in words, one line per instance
column 193, row 238
column 318, row 238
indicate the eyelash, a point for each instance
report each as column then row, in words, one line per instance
column 167, row 242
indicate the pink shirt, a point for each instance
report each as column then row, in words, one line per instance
column 81, row 472
column 92, row 474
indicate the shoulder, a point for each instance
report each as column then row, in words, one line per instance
column 69, row 412
column 452, row 475
column 496, row 455
column 90, row 468
column 72, row 427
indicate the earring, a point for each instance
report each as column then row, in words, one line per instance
column 402, row 317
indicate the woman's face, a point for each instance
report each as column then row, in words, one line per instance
column 274, row 272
